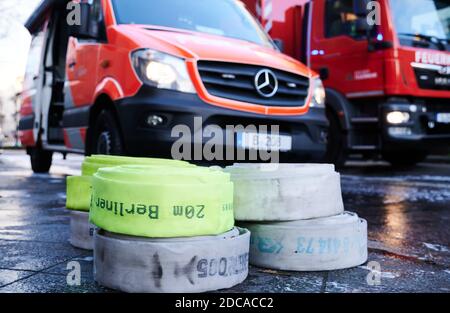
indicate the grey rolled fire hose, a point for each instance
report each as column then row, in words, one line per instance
column 322, row 244
column 81, row 231
column 285, row 192
column 180, row 265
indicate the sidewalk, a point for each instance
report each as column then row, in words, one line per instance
column 409, row 238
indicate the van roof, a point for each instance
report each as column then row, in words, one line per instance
column 37, row 17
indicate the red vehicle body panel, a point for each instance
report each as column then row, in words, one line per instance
column 354, row 71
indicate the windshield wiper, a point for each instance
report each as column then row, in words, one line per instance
column 439, row 42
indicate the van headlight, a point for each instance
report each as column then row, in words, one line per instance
column 162, row 70
column 318, row 95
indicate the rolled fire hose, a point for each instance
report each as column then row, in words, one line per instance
column 78, row 193
column 91, row 164
column 323, row 244
column 79, row 187
column 195, row 264
column 159, row 201
column 285, row 192
column 81, row 231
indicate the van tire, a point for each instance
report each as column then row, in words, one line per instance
column 106, row 136
column 404, row 159
column 337, row 142
column 41, row 160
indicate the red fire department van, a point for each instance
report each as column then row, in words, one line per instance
column 385, row 65
column 119, row 81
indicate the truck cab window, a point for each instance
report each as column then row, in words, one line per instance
column 425, row 25
column 340, row 18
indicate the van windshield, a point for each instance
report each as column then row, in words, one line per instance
column 227, row 18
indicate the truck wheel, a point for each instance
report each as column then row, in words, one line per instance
column 337, row 142
column 41, row 160
column 404, row 158
column 106, row 135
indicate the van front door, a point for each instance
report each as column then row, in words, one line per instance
column 31, row 109
column 82, row 74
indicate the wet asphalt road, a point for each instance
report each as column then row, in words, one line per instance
column 408, row 214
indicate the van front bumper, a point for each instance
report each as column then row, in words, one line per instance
column 170, row 109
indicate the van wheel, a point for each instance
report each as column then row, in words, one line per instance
column 337, row 142
column 404, row 159
column 41, row 160
column 106, row 135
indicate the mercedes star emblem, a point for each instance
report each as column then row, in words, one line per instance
column 266, row 83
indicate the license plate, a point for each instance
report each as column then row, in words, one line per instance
column 443, row 118
column 264, row 142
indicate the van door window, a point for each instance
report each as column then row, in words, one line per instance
column 34, row 59
column 97, row 22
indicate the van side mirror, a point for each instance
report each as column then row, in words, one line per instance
column 86, row 28
column 360, row 7
column 279, row 43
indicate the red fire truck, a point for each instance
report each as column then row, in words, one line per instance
column 385, row 65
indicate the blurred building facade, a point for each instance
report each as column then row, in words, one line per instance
column 9, row 114
column 14, row 45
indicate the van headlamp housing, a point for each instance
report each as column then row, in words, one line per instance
column 318, row 94
column 162, row 70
